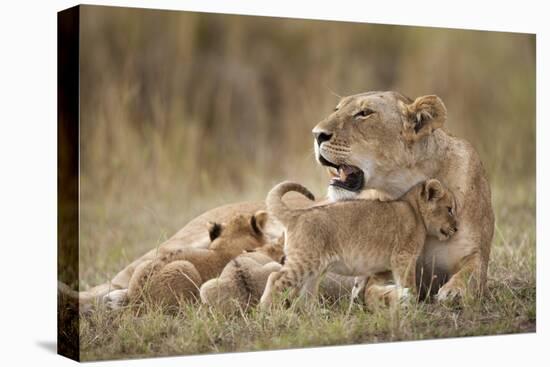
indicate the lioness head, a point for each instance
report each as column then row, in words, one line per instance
column 437, row 207
column 374, row 140
column 241, row 233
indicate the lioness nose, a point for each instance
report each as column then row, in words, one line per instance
column 321, row 136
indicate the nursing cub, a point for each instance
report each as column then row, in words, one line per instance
column 358, row 237
column 179, row 274
column 242, row 281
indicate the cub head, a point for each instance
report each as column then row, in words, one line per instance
column 274, row 250
column 372, row 141
column 437, row 207
column 241, row 233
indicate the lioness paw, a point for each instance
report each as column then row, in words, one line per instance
column 448, row 293
column 116, row 299
column 404, row 294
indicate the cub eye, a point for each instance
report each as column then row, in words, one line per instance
column 450, row 210
column 364, row 113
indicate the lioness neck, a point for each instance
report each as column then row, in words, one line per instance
column 425, row 160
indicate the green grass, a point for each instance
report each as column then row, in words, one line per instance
column 509, row 306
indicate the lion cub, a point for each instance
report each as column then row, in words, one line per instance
column 358, row 237
column 243, row 280
column 179, row 274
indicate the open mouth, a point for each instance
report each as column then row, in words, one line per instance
column 347, row 177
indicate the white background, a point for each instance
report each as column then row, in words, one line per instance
column 28, row 216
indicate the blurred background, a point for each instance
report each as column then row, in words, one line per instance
column 182, row 112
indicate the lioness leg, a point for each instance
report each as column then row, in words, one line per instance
column 116, row 299
column 470, row 278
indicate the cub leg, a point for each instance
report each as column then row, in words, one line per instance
column 403, row 264
column 139, row 281
column 380, row 289
column 359, row 284
column 292, row 275
column 311, row 287
column 404, row 269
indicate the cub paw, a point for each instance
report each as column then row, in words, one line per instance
column 395, row 295
column 358, row 289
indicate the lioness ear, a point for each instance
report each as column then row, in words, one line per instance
column 214, row 230
column 258, row 221
column 433, row 190
column 423, row 116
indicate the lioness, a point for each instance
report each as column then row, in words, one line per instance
column 386, row 142
column 358, row 237
column 242, row 281
column 178, row 275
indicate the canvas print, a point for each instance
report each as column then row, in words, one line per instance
column 242, row 183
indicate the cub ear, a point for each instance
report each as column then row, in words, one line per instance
column 258, row 221
column 214, row 230
column 433, row 190
column 422, row 117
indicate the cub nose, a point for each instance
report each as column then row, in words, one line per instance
column 321, row 136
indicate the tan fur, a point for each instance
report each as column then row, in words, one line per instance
column 243, row 280
column 178, row 275
column 400, row 144
column 385, row 147
column 358, row 237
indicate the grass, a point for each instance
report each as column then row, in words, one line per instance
column 509, row 306
column 183, row 112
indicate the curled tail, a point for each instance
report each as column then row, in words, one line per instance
column 275, row 205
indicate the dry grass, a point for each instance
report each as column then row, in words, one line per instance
column 508, row 308
column 183, row 112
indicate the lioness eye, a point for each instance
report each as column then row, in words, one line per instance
column 364, row 113
column 450, row 209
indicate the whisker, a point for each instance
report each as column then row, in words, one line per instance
column 332, row 92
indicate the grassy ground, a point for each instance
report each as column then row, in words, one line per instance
column 184, row 112
column 508, row 308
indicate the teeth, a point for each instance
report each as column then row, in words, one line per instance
column 342, row 174
column 333, row 172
